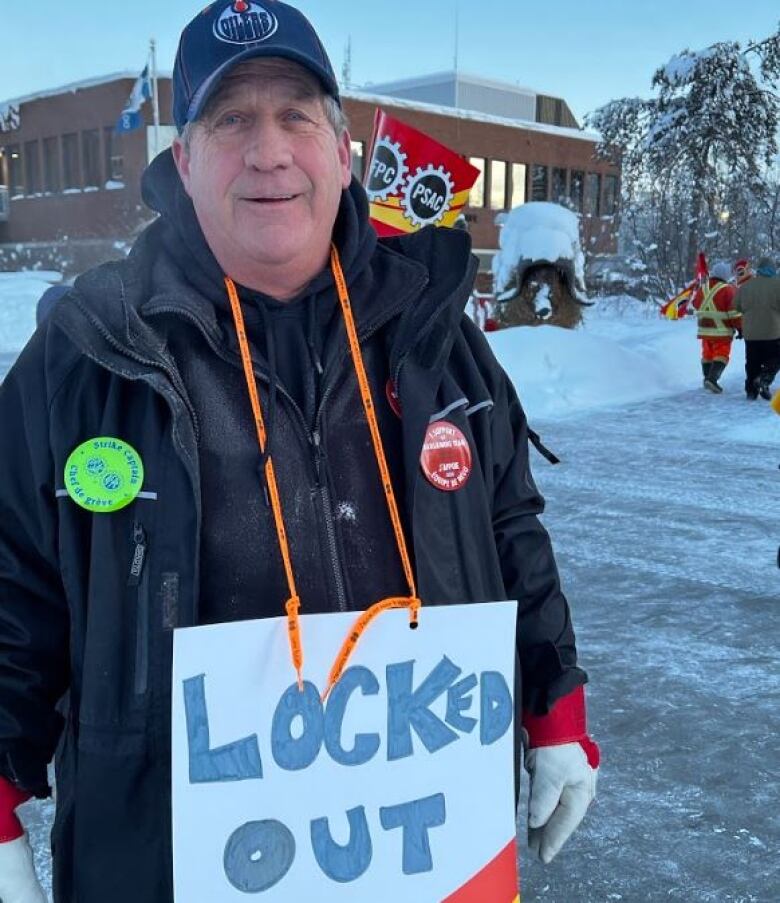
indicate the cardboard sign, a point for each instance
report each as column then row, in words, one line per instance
column 399, row 787
column 413, row 181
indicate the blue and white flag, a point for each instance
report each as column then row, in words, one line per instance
column 130, row 117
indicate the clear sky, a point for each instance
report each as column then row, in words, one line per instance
column 587, row 51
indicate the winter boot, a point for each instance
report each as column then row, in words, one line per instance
column 705, row 370
column 711, row 380
column 763, row 383
column 751, row 390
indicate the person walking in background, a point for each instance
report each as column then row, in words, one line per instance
column 713, row 305
column 758, row 300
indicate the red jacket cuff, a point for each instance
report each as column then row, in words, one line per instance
column 10, row 798
column 566, row 722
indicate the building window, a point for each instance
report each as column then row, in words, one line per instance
column 559, row 185
column 519, row 172
column 90, row 157
column 477, row 194
column 358, row 159
column 70, row 161
column 610, row 195
column 114, row 162
column 32, row 168
column 15, row 172
column 51, row 165
column 497, row 185
column 577, row 189
column 593, row 195
column 539, row 182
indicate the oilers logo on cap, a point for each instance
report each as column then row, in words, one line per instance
column 245, row 22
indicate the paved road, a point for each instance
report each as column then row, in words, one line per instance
column 667, row 539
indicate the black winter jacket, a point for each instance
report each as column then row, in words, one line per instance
column 72, row 623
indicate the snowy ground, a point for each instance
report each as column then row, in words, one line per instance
column 664, row 517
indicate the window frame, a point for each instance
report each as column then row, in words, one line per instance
column 515, row 183
column 91, row 159
column 538, row 169
column 501, row 165
column 70, row 142
column 480, row 183
column 32, row 167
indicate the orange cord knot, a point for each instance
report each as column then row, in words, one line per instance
column 414, row 612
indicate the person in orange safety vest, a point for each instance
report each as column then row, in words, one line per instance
column 713, row 305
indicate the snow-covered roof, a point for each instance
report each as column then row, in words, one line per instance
column 353, row 94
column 77, row 86
column 437, row 78
column 454, row 113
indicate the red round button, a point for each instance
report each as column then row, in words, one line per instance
column 392, row 397
column 446, row 456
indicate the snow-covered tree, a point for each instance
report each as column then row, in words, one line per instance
column 703, row 145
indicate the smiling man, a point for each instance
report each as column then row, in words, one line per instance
column 188, row 432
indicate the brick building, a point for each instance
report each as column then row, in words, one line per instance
column 66, row 178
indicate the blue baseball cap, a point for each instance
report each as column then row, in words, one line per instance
column 227, row 33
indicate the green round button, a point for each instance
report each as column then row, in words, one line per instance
column 104, row 474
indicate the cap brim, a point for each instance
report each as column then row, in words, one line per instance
column 206, row 90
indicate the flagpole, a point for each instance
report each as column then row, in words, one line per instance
column 155, row 98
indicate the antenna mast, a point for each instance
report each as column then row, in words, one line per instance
column 346, row 69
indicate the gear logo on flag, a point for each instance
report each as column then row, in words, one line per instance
column 245, row 22
column 388, row 170
column 427, row 195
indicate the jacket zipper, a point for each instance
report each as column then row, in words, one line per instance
column 139, row 578
column 330, row 526
column 314, row 439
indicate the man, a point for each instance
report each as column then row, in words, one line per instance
column 759, row 303
column 713, row 305
column 145, row 356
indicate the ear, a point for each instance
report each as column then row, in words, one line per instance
column 345, row 159
column 181, row 158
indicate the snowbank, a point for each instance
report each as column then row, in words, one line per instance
column 19, row 294
column 558, row 372
column 624, row 353
column 534, row 232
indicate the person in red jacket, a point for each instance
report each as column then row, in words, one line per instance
column 719, row 321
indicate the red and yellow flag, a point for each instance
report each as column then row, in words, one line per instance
column 676, row 308
column 413, row 181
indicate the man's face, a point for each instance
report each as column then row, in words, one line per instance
column 265, row 171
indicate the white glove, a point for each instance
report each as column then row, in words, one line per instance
column 562, row 787
column 18, row 881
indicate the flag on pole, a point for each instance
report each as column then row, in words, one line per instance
column 676, row 308
column 412, row 180
column 130, row 117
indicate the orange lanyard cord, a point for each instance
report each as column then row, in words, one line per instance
column 412, row 602
column 292, row 606
column 293, row 603
column 368, row 404
column 357, row 629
